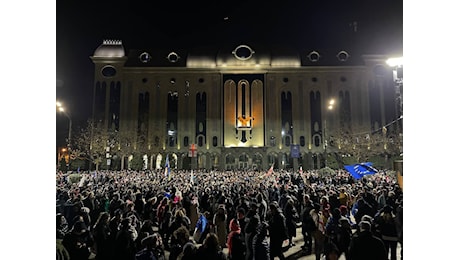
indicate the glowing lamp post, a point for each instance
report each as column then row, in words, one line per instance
column 396, row 65
column 61, row 109
column 330, row 107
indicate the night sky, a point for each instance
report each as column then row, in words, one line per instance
column 81, row 26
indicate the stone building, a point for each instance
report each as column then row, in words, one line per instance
column 241, row 106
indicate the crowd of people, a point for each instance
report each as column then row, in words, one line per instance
column 137, row 215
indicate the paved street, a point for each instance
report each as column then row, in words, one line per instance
column 295, row 252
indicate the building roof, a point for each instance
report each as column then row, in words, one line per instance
column 110, row 49
column 231, row 55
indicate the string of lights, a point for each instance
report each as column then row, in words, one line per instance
column 379, row 129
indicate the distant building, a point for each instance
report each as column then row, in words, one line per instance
column 242, row 106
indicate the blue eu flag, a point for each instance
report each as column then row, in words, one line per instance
column 360, row 169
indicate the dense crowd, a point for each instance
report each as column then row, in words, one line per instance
column 137, row 215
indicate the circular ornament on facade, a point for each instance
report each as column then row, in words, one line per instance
column 343, row 56
column 145, row 57
column 173, row 57
column 314, row 56
column 243, row 52
column 108, row 71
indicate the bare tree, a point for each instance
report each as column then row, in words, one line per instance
column 128, row 143
column 101, row 146
column 91, row 143
column 361, row 145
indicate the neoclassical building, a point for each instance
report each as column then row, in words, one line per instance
column 242, row 106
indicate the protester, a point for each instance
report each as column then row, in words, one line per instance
column 101, row 232
column 181, row 237
column 121, row 195
column 220, row 224
column 252, row 221
column 211, row 249
column 125, row 247
column 292, row 217
column 319, row 236
column 386, row 224
column 152, row 248
column 261, row 243
column 78, row 241
column 277, row 230
column 235, row 241
column 364, row 245
column 308, row 225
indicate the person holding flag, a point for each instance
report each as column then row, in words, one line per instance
column 269, row 172
column 358, row 170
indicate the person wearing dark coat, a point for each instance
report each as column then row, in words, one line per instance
column 263, row 207
column 252, row 221
column 333, row 200
column 386, row 224
column 241, row 215
column 344, row 236
column 277, row 230
column 152, row 248
column 211, row 249
column 292, row 217
column 307, row 227
column 78, row 241
column 61, row 226
column 101, row 233
column 178, row 221
column 261, row 243
column 139, row 204
column 399, row 225
column 180, row 238
column 365, row 246
column 125, row 247
column 364, row 208
column 243, row 204
column 332, row 226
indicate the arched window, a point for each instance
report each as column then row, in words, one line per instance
column 302, row 141
column 287, row 141
column 201, row 141
column 186, row 141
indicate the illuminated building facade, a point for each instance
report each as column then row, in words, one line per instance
column 240, row 107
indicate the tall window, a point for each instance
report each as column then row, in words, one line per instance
column 171, row 117
column 143, row 114
column 114, row 106
column 99, row 105
column 186, row 142
column 302, row 141
column 200, row 122
column 315, row 115
column 286, row 117
column 143, row 118
column 345, row 110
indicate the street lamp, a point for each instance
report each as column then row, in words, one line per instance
column 330, row 106
column 61, row 109
column 396, row 65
